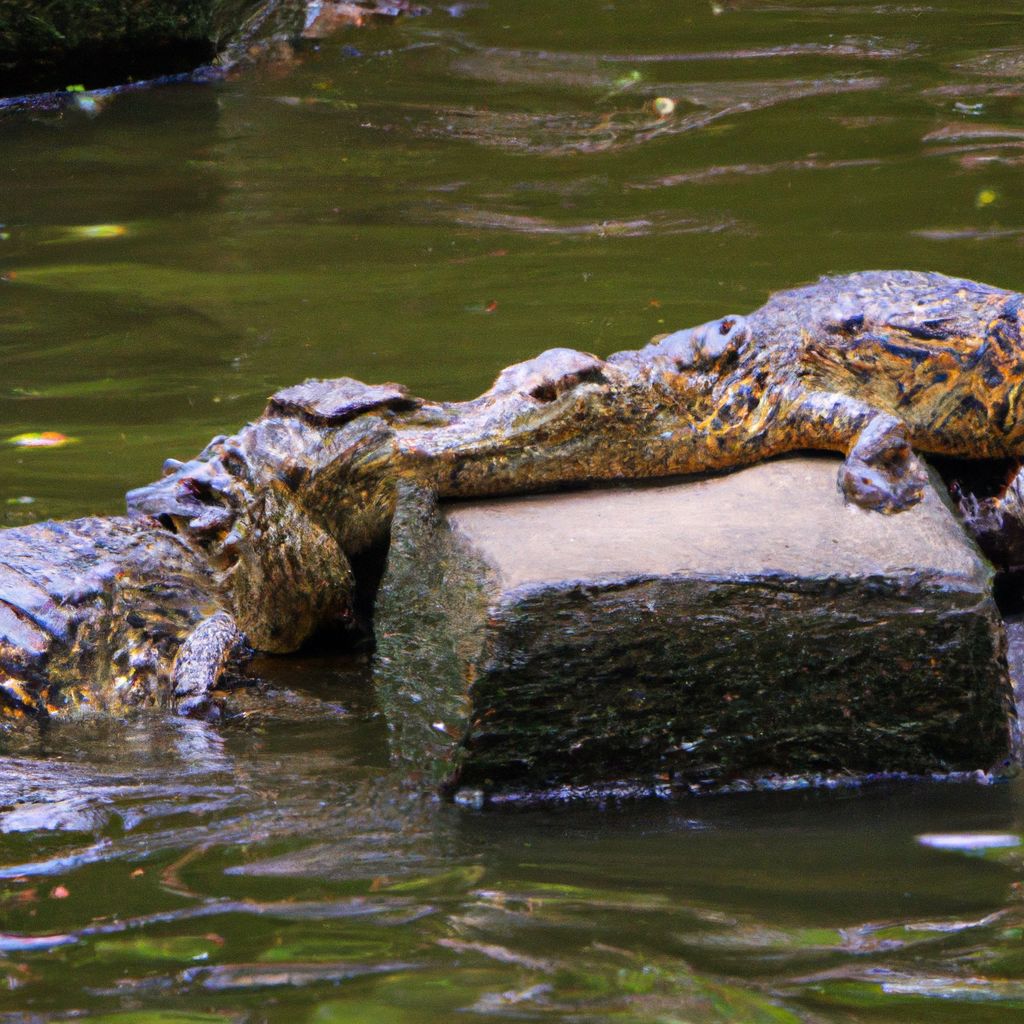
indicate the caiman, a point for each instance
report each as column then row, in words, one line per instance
column 250, row 545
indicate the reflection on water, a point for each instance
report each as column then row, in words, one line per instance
column 428, row 201
column 657, row 221
column 558, row 134
column 279, row 872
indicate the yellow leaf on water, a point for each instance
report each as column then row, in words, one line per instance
column 46, row 439
column 94, row 231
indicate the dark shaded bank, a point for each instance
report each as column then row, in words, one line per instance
column 57, row 44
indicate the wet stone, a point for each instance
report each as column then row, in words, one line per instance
column 737, row 630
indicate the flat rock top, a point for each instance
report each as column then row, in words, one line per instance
column 784, row 517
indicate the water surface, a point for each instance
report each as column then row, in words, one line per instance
column 426, row 202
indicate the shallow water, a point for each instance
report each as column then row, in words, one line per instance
column 427, row 202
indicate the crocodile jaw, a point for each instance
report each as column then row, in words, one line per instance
column 517, row 443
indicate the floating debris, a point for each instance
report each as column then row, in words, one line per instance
column 93, row 232
column 326, row 17
column 90, row 103
column 46, row 439
column 969, row 841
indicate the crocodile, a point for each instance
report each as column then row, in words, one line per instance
column 251, row 545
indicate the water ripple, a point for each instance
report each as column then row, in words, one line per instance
column 654, row 223
column 563, row 132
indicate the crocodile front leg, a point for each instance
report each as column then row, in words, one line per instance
column 201, row 661
column 881, row 471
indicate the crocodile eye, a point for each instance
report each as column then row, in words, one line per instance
column 719, row 338
column 699, row 348
column 842, row 322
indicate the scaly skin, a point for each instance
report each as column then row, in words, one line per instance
column 263, row 525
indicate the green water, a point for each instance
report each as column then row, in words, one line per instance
column 427, row 202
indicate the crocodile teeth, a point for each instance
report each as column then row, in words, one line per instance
column 210, row 520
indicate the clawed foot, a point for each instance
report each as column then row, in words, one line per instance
column 204, row 657
column 882, row 473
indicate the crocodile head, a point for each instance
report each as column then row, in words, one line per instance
column 258, row 506
column 280, row 507
column 568, row 417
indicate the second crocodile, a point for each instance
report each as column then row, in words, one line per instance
column 251, row 544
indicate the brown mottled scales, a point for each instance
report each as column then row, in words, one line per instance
column 255, row 537
column 95, row 609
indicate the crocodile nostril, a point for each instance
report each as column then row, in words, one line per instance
column 549, row 390
column 188, row 486
column 726, row 325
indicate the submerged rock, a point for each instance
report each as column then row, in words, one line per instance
column 698, row 634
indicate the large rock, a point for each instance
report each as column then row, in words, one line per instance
column 719, row 632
